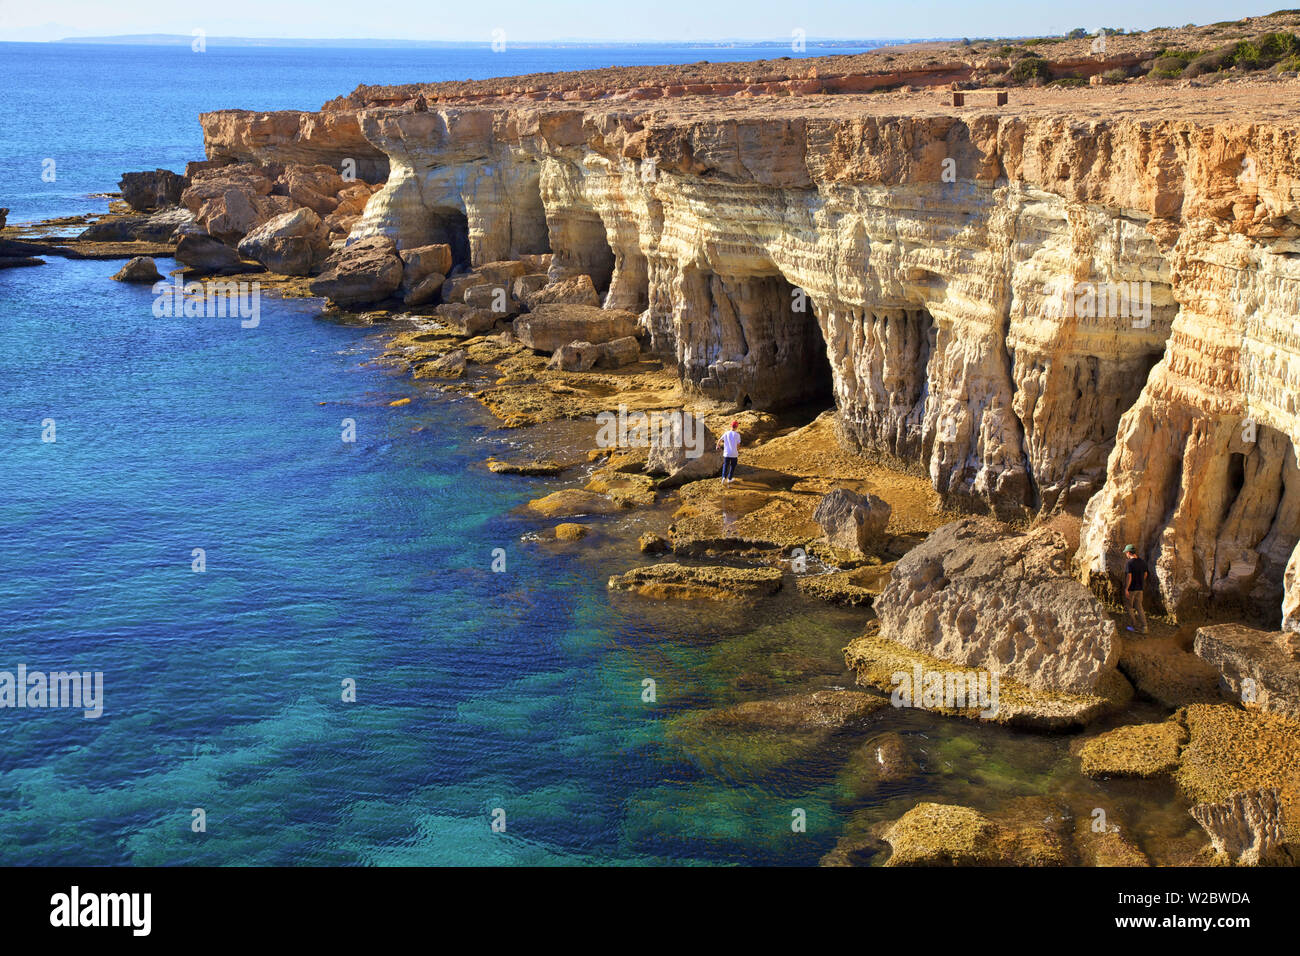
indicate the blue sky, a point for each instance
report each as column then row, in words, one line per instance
column 545, row 20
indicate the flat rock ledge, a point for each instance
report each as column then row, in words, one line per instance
column 876, row 660
column 1237, row 766
column 1258, row 668
column 856, row 587
column 713, row 583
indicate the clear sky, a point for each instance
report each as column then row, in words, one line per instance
column 660, row 20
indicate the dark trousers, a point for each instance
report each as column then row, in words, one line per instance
column 728, row 467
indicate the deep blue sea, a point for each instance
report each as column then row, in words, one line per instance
column 480, row 696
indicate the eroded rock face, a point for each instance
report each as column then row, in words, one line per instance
column 776, row 259
column 208, row 256
column 1246, row 828
column 682, row 448
column 980, row 598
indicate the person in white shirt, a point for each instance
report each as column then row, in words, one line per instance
column 730, row 445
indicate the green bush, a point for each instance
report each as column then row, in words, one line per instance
column 1168, row 66
column 1031, row 67
column 1069, row 81
column 1078, row 33
column 1114, row 76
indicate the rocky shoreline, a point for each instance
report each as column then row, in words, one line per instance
column 925, row 440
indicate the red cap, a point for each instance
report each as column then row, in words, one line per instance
column 735, row 424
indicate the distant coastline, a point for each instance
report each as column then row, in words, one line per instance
column 177, row 39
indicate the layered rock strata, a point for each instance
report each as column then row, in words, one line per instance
column 1041, row 313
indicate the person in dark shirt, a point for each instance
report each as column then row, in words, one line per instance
column 1135, row 579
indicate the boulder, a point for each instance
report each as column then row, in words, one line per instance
column 292, row 244
column 451, row 365
column 140, row 269
column 363, row 273
column 619, row 352
column 681, row 581
column 491, row 298
column 1257, row 668
column 937, row 834
column 153, row 189
column 463, row 320
column 979, row 597
column 424, row 291
column 526, row 285
column 570, row 531
column 575, row 357
column 681, row 448
column 315, row 187
column 208, row 256
column 211, row 183
column 547, row 327
column 502, row 273
column 852, row 522
column 453, row 290
column 1137, row 750
column 575, row 290
column 424, row 262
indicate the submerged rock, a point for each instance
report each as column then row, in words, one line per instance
column 683, row 582
column 856, row 587
column 1141, row 750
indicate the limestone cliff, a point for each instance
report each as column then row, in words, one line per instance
column 1060, row 308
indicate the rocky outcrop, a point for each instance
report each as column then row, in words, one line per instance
column 153, row 189
column 979, row 598
column 547, row 327
column 1074, row 307
column 1256, row 668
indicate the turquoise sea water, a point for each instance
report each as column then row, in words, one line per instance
column 369, row 561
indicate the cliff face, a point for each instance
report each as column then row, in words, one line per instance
column 1043, row 313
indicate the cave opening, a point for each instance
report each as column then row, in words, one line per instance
column 451, row 226
column 529, row 232
column 803, row 383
